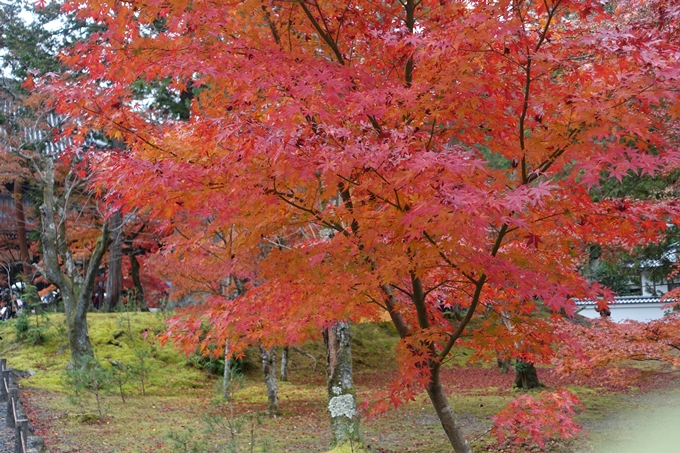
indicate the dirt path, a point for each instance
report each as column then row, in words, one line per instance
column 649, row 423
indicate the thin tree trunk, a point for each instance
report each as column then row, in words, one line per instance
column 341, row 394
column 137, row 282
column 114, row 282
column 438, row 397
column 284, row 364
column 21, row 229
column 269, row 367
column 504, row 365
column 446, row 415
column 226, row 383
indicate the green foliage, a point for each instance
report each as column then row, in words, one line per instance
column 214, row 365
column 210, row 362
column 29, row 294
column 30, row 330
column 21, row 325
column 641, row 187
column 33, row 47
column 61, row 331
column 87, row 376
column 28, row 46
column 495, row 160
column 123, row 319
column 613, row 269
column 121, row 373
column 187, row 441
column 620, row 269
column 242, row 431
column 32, row 324
column 141, row 369
column 167, row 101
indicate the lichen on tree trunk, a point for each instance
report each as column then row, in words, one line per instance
column 341, row 394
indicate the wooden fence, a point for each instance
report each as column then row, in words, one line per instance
column 16, row 416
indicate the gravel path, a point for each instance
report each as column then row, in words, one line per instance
column 651, row 425
column 6, row 434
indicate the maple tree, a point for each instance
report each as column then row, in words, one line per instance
column 352, row 159
column 606, row 345
column 518, row 421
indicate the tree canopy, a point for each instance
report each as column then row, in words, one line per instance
column 360, row 159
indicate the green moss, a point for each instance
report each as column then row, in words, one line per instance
column 347, row 448
column 113, row 339
column 373, row 346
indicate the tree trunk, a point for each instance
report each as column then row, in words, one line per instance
column 526, row 376
column 504, row 365
column 434, row 390
column 269, row 367
column 137, row 282
column 284, row 364
column 76, row 289
column 76, row 309
column 76, row 323
column 341, row 394
column 446, row 415
column 114, row 282
column 226, row 382
column 21, row 229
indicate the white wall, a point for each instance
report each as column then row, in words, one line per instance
column 636, row 312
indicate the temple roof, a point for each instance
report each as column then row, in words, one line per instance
column 621, row 300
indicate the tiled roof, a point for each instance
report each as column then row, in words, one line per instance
column 620, row 300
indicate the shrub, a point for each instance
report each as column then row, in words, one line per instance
column 88, row 376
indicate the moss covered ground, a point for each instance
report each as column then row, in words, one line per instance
column 182, row 410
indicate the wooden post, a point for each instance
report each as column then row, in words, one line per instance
column 7, row 374
column 3, row 364
column 4, row 384
column 12, row 401
column 20, row 435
